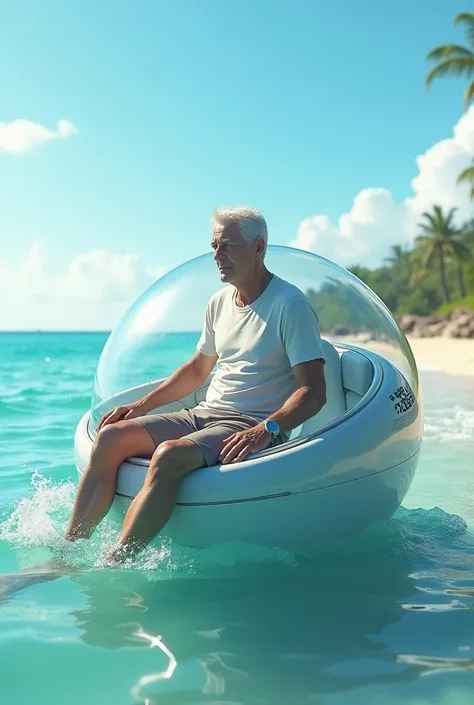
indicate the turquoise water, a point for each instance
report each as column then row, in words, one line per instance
column 386, row 617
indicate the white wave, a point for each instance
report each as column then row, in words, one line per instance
column 33, row 521
column 447, row 425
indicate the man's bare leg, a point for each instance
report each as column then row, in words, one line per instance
column 114, row 444
column 153, row 505
column 95, row 494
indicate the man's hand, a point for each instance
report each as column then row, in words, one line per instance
column 121, row 413
column 240, row 444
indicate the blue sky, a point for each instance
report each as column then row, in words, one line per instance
column 178, row 106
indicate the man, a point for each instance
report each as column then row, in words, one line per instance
column 262, row 336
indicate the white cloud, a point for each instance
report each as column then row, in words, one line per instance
column 92, row 292
column 22, row 135
column 375, row 221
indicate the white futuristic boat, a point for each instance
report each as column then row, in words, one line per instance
column 347, row 467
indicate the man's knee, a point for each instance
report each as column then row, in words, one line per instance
column 112, row 434
column 174, row 459
column 125, row 438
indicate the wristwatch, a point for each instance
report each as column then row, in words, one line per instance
column 273, row 428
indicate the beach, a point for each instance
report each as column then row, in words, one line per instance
column 454, row 356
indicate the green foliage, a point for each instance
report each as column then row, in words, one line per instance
column 440, row 243
column 467, row 302
column 340, row 305
column 454, row 59
column 409, row 281
column 437, row 274
column 467, row 177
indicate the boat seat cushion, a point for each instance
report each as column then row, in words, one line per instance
column 357, row 372
column 335, row 400
column 352, row 399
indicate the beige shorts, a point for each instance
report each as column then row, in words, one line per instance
column 208, row 428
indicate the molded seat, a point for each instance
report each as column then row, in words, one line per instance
column 357, row 374
column 335, row 400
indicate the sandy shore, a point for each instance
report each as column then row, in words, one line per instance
column 451, row 355
column 454, row 356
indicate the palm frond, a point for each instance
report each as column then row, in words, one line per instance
column 438, row 211
column 466, row 175
column 429, row 256
column 469, row 94
column 468, row 19
column 449, row 51
column 451, row 67
column 446, row 222
column 421, row 240
column 460, row 251
column 431, row 220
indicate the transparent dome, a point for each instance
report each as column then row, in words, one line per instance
column 160, row 330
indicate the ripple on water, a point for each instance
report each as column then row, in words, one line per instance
column 350, row 622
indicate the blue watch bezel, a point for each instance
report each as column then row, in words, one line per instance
column 272, row 427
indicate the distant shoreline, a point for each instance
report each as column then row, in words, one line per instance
column 454, row 356
column 55, row 332
column 86, row 332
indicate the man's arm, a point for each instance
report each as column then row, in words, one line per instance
column 183, row 381
column 308, row 398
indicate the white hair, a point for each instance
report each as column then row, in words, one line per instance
column 251, row 222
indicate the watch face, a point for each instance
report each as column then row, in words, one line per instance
column 273, row 427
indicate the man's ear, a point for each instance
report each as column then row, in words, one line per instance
column 259, row 246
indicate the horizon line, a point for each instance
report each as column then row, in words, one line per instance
column 39, row 331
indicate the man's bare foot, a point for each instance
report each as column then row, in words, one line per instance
column 119, row 554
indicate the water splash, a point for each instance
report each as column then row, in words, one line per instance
column 35, row 519
column 448, row 425
column 39, row 520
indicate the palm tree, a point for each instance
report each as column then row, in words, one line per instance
column 467, row 234
column 455, row 60
column 466, row 237
column 440, row 242
column 400, row 257
column 467, row 176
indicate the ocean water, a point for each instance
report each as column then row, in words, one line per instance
column 385, row 617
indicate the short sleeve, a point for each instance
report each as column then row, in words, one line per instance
column 300, row 332
column 206, row 343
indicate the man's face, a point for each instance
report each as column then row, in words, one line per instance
column 234, row 256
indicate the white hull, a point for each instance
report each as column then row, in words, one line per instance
column 348, row 467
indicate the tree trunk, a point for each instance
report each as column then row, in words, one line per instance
column 462, row 286
column 442, row 275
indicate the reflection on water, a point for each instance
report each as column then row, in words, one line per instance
column 287, row 632
column 382, row 619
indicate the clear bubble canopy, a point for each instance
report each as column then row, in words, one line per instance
column 160, row 330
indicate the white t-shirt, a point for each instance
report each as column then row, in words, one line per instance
column 257, row 345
